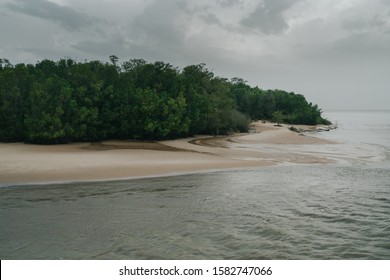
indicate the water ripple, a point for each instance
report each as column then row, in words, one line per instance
column 290, row 212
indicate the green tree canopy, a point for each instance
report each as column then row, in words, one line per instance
column 65, row 101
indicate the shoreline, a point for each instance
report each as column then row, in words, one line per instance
column 123, row 179
column 26, row 164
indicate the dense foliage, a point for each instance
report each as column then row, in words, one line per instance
column 60, row 102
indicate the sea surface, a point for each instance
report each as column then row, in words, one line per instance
column 292, row 211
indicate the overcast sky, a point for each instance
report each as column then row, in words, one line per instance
column 335, row 52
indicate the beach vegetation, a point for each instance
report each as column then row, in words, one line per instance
column 65, row 101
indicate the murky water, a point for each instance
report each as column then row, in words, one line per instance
column 335, row 211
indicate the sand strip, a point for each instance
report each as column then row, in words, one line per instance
column 29, row 164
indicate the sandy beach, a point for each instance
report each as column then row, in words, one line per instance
column 110, row 160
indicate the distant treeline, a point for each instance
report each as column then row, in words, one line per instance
column 67, row 101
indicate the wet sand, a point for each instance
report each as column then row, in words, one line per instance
column 110, row 160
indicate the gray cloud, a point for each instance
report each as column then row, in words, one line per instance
column 356, row 41
column 155, row 33
column 210, row 18
column 49, row 53
column 118, row 46
column 159, row 24
column 228, row 3
column 374, row 23
column 362, row 46
column 160, row 31
column 268, row 16
column 336, row 52
column 67, row 17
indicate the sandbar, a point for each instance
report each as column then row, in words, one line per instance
column 110, row 160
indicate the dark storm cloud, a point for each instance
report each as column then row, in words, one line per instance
column 268, row 16
column 67, row 17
